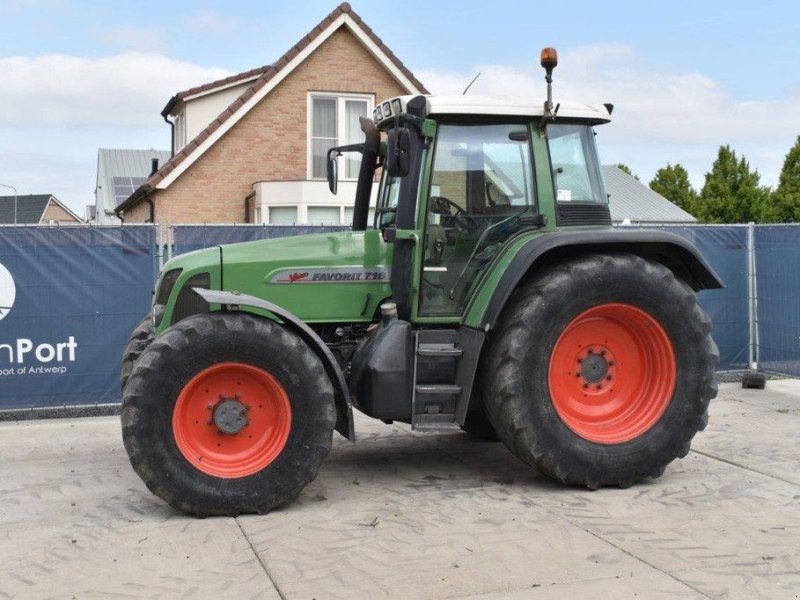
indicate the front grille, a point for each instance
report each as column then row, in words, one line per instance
column 189, row 302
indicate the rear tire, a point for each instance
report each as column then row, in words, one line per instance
column 140, row 338
column 173, row 418
column 559, row 400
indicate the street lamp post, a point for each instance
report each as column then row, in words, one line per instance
column 11, row 187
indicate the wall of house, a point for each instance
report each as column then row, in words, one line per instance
column 200, row 111
column 54, row 212
column 269, row 143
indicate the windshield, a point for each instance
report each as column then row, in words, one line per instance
column 576, row 170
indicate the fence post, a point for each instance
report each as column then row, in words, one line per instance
column 160, row 242
column 752, row 297
column 170, row 241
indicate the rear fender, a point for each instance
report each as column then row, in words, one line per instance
column 344, row 407
column 669, row 249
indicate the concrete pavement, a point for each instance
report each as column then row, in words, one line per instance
column 406, row 515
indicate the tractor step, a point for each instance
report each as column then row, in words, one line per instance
column 440, row 422
column 438, row 388
column 436, row 392
column 444, row 350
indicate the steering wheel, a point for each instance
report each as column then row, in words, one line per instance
column 441, row 206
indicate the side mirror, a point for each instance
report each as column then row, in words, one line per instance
column 398, row 142
column 333, row 172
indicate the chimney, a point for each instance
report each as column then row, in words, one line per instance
column 154, row 167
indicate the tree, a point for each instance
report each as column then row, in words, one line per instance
column 627, row 169
column 731, row 193
column 784, row 203
column 672, row 182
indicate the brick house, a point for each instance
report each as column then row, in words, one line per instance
column 251, row 147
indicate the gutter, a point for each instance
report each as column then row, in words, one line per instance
column 135, row 197
column 171, row 135
column 247, row 200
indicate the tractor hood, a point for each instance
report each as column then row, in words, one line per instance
column 328, row 277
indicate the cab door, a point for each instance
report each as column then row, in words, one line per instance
column 480, row 194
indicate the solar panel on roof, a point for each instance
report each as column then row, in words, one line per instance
column 125, row 186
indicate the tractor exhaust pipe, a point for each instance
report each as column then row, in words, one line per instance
column 369, row 160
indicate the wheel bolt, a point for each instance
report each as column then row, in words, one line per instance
column 580, row 360
column 611, row 363
column 608, row 378
column 585, row 385
column 602, row 352
column 599, row 387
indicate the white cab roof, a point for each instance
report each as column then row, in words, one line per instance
column 511, row 106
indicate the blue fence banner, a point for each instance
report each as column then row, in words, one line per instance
column 725, row 250
column 187, row 238
column 777, row 253
column 69, row 298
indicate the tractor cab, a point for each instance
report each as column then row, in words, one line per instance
column 462, row 176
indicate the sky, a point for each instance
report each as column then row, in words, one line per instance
column 685, row 77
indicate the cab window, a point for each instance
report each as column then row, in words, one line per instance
column 576, row 171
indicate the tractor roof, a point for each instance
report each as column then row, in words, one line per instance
column 505, row 106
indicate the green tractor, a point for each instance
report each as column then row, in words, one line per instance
column 490, row 294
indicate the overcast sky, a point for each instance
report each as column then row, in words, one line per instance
column 685, row 77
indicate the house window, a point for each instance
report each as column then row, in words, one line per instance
column 180, row 131
column 334, row 121
column 282, row 215
column 323, row 215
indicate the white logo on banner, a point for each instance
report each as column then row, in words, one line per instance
column 8, row 291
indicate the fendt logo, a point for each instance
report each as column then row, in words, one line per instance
column 8, row 292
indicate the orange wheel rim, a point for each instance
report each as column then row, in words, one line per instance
column 612, row 373
column 232, row 420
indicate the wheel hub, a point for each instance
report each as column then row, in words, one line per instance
column 230, row 415
column 594, row 367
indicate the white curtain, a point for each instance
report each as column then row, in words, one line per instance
column 283, row 215
column 353, row 109
column 323, row 215
column 323, row 133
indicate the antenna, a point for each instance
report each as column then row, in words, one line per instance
column 464, row 93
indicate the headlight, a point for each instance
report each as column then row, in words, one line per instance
column 387, row 110
column 378, row 114
column 397, row 106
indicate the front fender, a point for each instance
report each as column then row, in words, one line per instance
column 344, row 405
column 671, row 250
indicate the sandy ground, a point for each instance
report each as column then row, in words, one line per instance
column 406, row 515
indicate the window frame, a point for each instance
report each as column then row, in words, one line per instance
column 341, row 99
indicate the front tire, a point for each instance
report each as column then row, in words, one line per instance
column 601, row 370
column 228, row 413
column 140, row 338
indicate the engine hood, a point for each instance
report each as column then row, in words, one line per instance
column 326, row 277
